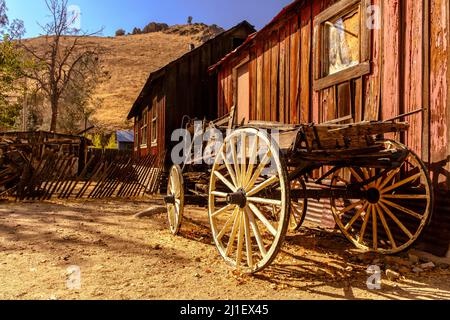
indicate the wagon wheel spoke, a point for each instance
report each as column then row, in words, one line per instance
column 240, row 239
column 223, row 210
column 228, row 224
column 386, row 227
column 259, row 170
column 237, row 170
column 399, row 207
column 374, row 227
column 256, row 232
column 263, row 219
column 234, row 232
column 231, row 172
column 405, row 196
column 364, row 226
column 396, row 220
column 395, row 208
column 225, row 181
column 356, row 175
column 263, row 185
column 252, row 161
column 357, row 216
column 248, row 240
column 243, row 158
column 218, row 194
column 402, row 183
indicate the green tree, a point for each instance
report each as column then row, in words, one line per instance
column 12, row 64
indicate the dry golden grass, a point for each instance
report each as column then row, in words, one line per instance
column 128, row 61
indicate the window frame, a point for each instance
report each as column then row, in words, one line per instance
column 136, row 134
column 144, row 126
column 154, row 126
column 341, row 8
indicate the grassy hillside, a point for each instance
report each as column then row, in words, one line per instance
column 128, row 61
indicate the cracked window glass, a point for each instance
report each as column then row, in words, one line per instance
column 342, row 42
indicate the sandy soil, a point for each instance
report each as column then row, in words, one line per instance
column 121, row 257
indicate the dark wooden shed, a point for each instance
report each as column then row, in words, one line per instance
column 320, row 60
column 183, row 87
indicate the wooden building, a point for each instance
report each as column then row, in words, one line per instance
column 182, row 88
column 320, row 60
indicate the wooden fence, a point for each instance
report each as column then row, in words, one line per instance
column 99, row 179
column 106, row 174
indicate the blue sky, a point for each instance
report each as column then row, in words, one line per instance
column 114, row 14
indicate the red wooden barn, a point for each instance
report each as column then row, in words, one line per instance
column 183, row 87
column 320, row 60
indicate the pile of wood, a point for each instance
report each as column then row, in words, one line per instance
column 30, row 159
column 14, row 164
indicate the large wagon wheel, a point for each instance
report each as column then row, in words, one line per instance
column 175, row 192
column 248, row 176
column 397, row 208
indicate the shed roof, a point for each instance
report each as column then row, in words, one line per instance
column 159, row 73
column 250, row 39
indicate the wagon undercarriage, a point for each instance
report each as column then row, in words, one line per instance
column 258, row 188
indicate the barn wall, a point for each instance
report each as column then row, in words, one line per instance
column 410, row 62
column 437, row 238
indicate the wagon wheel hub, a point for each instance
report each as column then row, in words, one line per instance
column 238, row 198
column 373, row 195
column 170, row 199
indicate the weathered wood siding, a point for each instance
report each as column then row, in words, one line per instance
column 410, row 69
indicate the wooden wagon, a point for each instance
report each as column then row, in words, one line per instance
column 255, row 187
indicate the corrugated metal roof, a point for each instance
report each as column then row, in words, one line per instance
column 125, row 136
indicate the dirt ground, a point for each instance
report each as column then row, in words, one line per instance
column 122, row 257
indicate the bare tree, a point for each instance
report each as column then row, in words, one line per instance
column 64, row 57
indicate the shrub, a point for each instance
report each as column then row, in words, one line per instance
column 120, row 33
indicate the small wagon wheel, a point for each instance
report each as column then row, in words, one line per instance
column 299, row 207
column 175, row 192
column 249, row 175
column 397, row 208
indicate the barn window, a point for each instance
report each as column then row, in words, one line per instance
column 154, row 134
column 144, row 125
column 342, row 43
